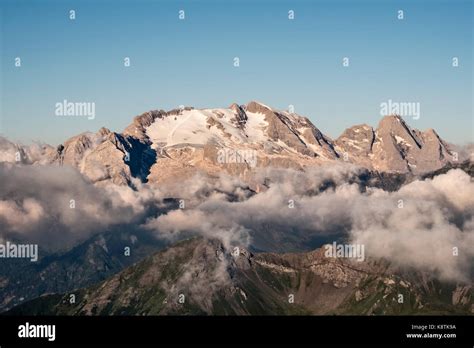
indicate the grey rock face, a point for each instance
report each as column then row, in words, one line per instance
column 295, row 131
column 357, row 140
column 140, row 123
column 394, row 147
column 107, row 156
column 240, row 115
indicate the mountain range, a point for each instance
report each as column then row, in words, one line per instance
column 284, row 255
column 201, row 277
column 160, row 146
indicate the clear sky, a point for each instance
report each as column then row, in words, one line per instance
column 190, row 62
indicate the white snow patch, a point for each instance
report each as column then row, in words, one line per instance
column 353, row 144
column 401, row 140
column 255, row 127
column 192, row 127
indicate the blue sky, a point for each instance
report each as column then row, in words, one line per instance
column 190, row 62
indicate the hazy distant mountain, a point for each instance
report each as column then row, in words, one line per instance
column 200, row 276
column 87, row 263
column 160, row 146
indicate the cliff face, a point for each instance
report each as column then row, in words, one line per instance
column 395, row 148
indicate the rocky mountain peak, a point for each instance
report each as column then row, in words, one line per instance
column 140, row 123
column 394, row 147
column 391, row 119
column 104, row 131
column 398, row 128
column 240, row 115
column 255, row 106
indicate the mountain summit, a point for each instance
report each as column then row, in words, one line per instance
column 395, row 147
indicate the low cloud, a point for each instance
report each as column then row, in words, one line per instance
column 422, row 225
column 426, row 224
column 58, row 207
column 418, row 226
